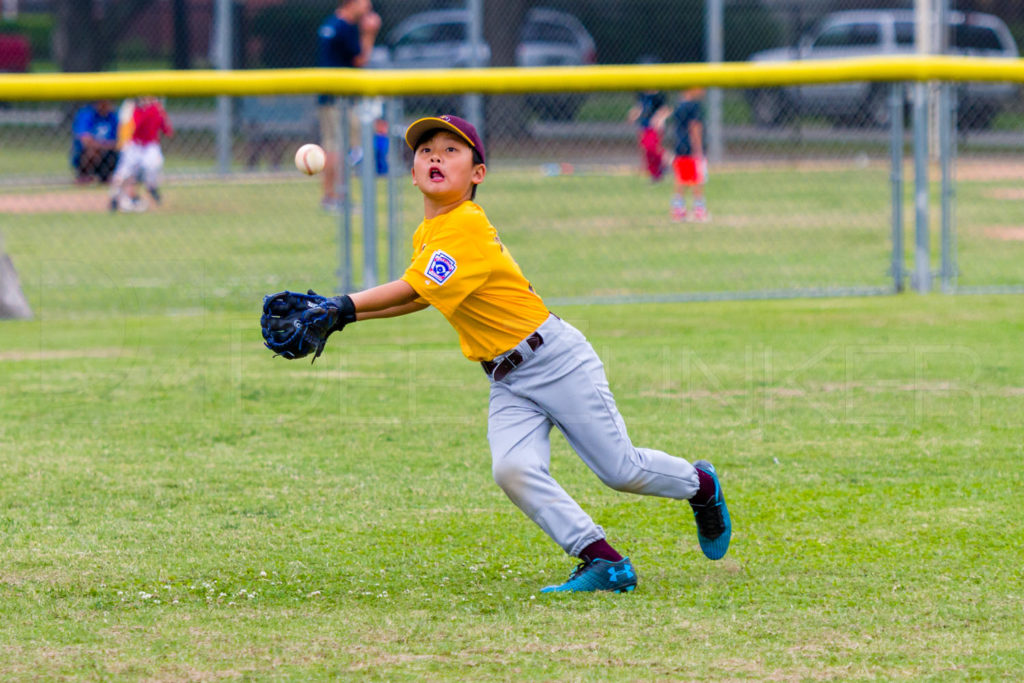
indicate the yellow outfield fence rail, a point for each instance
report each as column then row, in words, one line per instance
column 385, row 82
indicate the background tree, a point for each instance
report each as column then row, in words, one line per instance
column 501, row 31
column 182, row 43
column 87, row 32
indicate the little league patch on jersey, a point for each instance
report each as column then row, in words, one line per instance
column 441, row 267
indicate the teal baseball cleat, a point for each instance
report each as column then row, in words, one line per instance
column 714, row 528
column 598, row 575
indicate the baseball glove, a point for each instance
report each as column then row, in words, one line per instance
column 295, row 325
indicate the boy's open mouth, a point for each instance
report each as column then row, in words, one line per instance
column 435, row 173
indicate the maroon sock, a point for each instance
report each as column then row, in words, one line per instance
column 706, row 490
column 599, row 550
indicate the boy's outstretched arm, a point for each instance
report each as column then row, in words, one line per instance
column 386, row 301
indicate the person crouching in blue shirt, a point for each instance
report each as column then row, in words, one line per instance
column 94, row 142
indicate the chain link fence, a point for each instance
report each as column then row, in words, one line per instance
column 799, row 190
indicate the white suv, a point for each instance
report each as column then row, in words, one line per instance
column 882, row 32
column 440, row 39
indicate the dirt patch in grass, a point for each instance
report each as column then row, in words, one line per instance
column 1006, row 233
column 63, row 201
column 1006, row 193
column 989, row 169
column 60, row 354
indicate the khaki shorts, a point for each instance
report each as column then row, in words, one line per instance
column 330, row 123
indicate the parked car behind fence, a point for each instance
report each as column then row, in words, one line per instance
column 440, row 39
column 882, row 32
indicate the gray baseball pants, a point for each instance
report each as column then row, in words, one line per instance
column 562, row 384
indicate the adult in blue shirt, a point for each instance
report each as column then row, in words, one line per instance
column 94, row 141
column 345, row 39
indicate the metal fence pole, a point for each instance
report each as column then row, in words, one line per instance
column 946, row 123
column 896, row 174
column 396, row 252
column 714, row 14
column 224, row 46
column 474, row 103
column 922, row 259
column 369, row 182
column 345, row 280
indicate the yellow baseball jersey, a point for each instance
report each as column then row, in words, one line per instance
column 125, row 123
column 460, row 267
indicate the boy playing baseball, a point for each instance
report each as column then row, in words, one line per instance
column 542, row 371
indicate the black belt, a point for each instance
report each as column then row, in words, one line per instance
column 511, row 361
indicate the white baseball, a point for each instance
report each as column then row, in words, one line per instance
column 310, row 159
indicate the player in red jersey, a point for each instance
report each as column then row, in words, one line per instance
column 141, row 155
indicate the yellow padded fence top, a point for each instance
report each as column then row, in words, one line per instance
column 388, row 82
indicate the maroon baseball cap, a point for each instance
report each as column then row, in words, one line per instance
column 461, row 127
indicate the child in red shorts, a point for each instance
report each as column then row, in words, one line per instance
column 690, row 164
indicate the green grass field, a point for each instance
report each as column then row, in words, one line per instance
column 175, row 504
